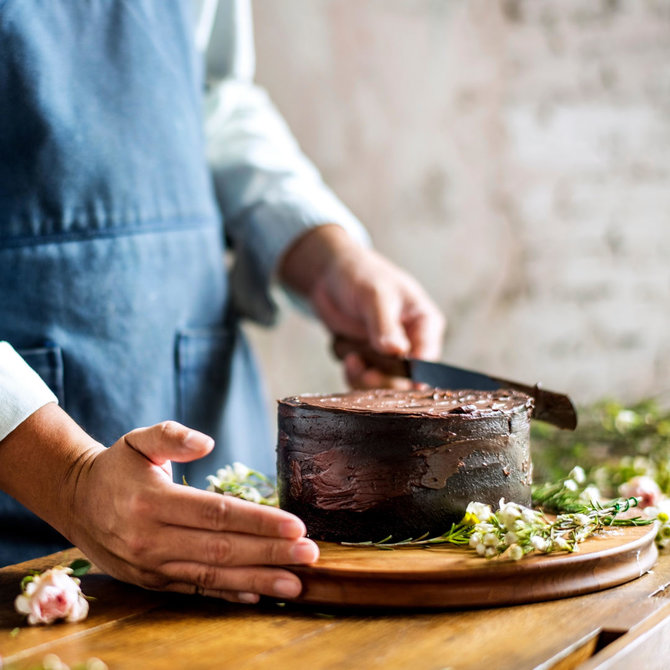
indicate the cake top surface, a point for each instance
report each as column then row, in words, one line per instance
column 429, row 402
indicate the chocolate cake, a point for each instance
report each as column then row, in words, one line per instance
column 366, row 464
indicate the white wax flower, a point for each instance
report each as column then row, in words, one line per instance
column 590, row 494
column 479, row 510
column 561, row 543
column 515, row 552
column 577, row 474
column 511, row 538
column 625, row 420
column 241, row 471
column 508, row 513
column 490, row 540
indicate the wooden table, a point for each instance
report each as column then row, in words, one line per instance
column 624, row 627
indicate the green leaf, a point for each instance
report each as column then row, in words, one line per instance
column 26, row 580
column 80, row 567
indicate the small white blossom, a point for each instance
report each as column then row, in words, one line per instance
column 577, row 474
column 475, row 539
column 582, row 519
column 490, row 540
column 223, row 476
column 625, row 420
column 241, row 471
column 508, row 513
column 570, row 484
column 663, row 532
column 479, row 510
column 252, row 495
column 511, row 538
column 481, row 549
column 661, row 511
column 529, row 515
column 642, row 464
column 539, row 543
column 490, row 552
column 53, row 662
column 590, row 494
column 515, row 552
column 484, row 528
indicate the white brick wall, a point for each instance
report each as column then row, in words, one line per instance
column 515, row 156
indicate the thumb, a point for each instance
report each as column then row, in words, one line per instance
column 169, row 441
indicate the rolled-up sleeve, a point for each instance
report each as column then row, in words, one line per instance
column 268, row 191
column 22, row 390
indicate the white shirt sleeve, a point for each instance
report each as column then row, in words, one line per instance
column 22, row 390
column 268, row 191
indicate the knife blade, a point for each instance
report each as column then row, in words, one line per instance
column 552, row 407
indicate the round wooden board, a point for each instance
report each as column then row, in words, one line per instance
column 451, row 577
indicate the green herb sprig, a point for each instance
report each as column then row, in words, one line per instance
column 458, row 534
column 242, row 482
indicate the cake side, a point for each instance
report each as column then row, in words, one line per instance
column 359, row 466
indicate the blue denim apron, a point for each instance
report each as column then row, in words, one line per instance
column 112, row 275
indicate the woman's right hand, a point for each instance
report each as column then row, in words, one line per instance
column 121, row 508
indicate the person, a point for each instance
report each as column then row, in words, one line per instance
column 117, row 308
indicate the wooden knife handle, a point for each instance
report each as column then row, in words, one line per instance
column 394, row 366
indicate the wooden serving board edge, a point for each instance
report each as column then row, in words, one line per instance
column 509, row 583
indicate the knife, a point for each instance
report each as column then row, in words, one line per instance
column 552, row 407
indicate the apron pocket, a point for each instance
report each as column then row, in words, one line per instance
column 47, row 361
column 203, row 375
column 218, row 393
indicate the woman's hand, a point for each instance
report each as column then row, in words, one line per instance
column 358, row 293
column 121, row 508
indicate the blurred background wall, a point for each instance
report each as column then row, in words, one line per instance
column 513, row 155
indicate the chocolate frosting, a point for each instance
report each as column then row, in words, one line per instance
column 430, row 402
column 403, row 461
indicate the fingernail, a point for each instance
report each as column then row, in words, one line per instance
column 305, row 551
column 248, row 598
column 292, row 528
column 286, row 588
column 198, row 441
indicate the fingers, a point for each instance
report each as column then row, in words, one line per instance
column 192, row 508
column 226, row 549
column 360, row 376
column 241, row 584
column 425, row 329
column 169, row 441
column 341, row 319
column 242, row 597
column 384, row 322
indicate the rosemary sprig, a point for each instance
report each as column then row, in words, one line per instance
column 514, row 531
column 458, row 534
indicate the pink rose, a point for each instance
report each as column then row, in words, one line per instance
column 52, row 595
column 644, row 488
